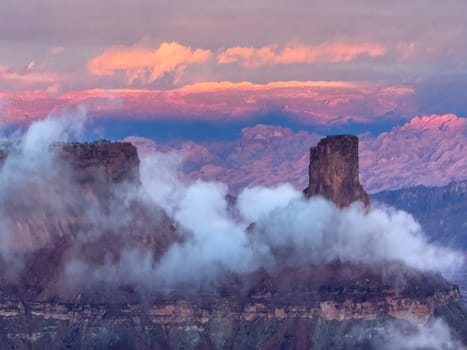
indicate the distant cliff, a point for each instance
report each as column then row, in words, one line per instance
column 440, row 210
column 334, row 171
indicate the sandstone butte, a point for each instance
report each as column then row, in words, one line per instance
column 330, row 306
column 334, row 173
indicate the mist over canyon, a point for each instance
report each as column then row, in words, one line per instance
column 38, row 172
column 89, row 228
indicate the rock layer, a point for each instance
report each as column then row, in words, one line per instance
column 314, row 307
column 334, row 171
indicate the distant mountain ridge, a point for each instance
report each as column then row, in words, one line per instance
column 428, row 150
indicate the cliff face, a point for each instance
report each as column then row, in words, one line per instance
column 314, row 307
column 334, row 172
column 440, row 210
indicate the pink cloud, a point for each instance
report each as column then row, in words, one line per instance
column 246, row 85
column 310, row 102
column 147, row 65
column 273, row 54
column 28, row 77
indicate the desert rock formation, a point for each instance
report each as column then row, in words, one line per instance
column 334, row 171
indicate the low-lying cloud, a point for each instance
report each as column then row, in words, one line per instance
column 25, row 179
column 435, row 335
column 218, row 236
column 222, row 239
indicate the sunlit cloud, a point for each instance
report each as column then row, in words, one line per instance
column 246, row 85
column 310, row 102
column 154, row 44
column 147, row 65
column 27, row 77
column 323, row 53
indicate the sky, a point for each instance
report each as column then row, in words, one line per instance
column 212, row 67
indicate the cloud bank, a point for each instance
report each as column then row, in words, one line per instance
column 323, row 53
column 316, row 103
